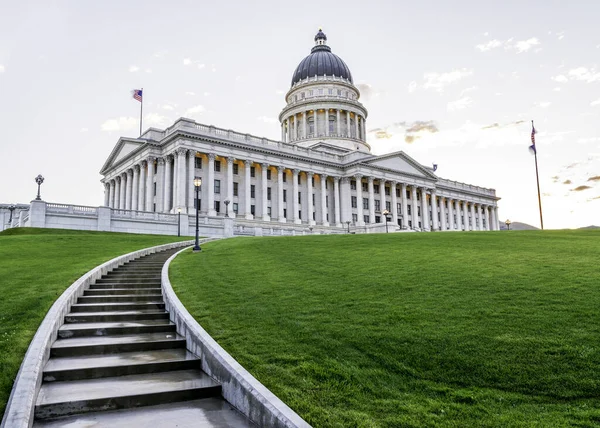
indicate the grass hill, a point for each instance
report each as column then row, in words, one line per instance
column 518, row 226
column 414, row 329
column 36, row 266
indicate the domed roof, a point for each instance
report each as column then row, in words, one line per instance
column 321, row 62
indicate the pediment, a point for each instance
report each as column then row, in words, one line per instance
column 123, row 149
column 402, row 163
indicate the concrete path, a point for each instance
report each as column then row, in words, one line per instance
column 118, row 361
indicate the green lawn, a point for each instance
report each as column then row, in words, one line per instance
column 415, row 329
column 36, row 266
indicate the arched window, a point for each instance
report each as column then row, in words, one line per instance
column 331, row 125
column 311, row 126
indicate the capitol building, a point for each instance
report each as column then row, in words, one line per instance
column 320, row 175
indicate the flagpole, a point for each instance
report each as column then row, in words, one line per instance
column 141, row 110
column 537, row 177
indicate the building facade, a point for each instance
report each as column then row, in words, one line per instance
column 321, row 173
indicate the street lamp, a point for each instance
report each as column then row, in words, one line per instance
column 197, row 184
column 348, row 223
column 385, row 213
column 227, row 202
column 508, row 223
column 11, row 209
column 178, row 221
column 39, row 180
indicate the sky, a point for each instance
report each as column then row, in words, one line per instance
column 452, row 83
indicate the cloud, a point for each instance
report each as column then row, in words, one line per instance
column 83, row 130
column 459, row 104
column 160, row 54
column 206, row 94
column 560, row 35
column 410, row 132
column 544, row 104
column 567, row 182
column 438, row 81
column 155, row 119
column 555, row 179
column 412, row 87
column 195, row 111
column 279, row 92
column 201, row 66
column 580, row 188
column 594, row 178
column 267, row 119
column 506, row 125
column 168, row 107
column 561, row 78
column 595, row 103
column 366, row 90
column 492, row 44
column 190, row 93
column 120, row 124
column 133, row 68
column 2, row 68
column 557, row 89
column 525, row 45
column 584, row 74
column 187, row 61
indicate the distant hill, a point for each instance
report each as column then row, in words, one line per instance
column 515, row 225
column 590, row 227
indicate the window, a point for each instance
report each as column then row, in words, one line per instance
column 217, row 186
column 346, row 94
column 327, row 201
column 321, row 91
column 376, row 188
column 353, row 185
column 284, row 195
column 269, row 211
column 268, row 193
column 268, row 174
column 310, row 92
column 388, row 206
column 366, row 219
column 331, row 125
column 235, row 208
column 253, row 209
column 353, row 201
column 409, row 223
column 326, row 184
column 311, row 126
column 236, row 169
column 313, row 181
column 387, row 191
column 295, row 98
column 330, row 91
column 284, row 177
column 300, row 215
column 354, row 218
column 154, row 189
column 399, row 208
column 314, row 216
column 365, row 187
column 198, row 163
column 377, row 205
column 408, row 209
column 217, row 206
column 397, row 192
column 252, row 171
column 252, row 191
column 284, row 213
column 418, row 210
column 299, row 197
column 217, row 166
column 235, row 189
column 366, row 203
column 302, row 95
column 377, row 219
column 313, row 195
column 418, row 196
column 407, row 194
column 299, row 179
column 339, row 92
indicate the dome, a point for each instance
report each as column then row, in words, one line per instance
column 321, row 62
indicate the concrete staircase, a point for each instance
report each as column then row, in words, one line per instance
column 118, row 361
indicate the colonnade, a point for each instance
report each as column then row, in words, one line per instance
column 326, row 122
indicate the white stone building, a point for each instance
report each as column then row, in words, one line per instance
column 321, row 175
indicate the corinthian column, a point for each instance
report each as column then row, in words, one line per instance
column 129, row 188
column 263, row 182
column 211, row 185
column 106, row 194
column 336, row 201
column 415, row 204
column 324, row 200
column 371, row 200
column 122, row 189
column 424, row 209
column 404, row 203
column 111, row 194
column 135, row 187
column 434, row 210
column 160, row 184
column 359, row 201
column 394, row 203
column 309, row 197
column 295, row 204
column 150, row 185
column 247, row 202
column 142, row 187
column 167, row 189
column 191, row 189
column 443, row 213
column 230, row 185
column 280, row 172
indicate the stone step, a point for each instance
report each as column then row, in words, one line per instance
column 78, row 396
column 136, row 276
column 121, row 291
column 106, row 286
column 141, row 273
column 203, row 413
column 115, row 328
column 77, row 346
column 128, row 280
column 127, row 363
column 108, row 316
column 121, row 298
column 99, row 307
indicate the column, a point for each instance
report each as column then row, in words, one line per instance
column 345, row 200
column 160, row 184
column 129, row 189
column 443, row 214
column 295, row 204
column 247, row 202
column 382, row 198
column 457, row 208
column 122, row 188
column 371, row 200
column 150, row 185
column 211, row 185
column 305, row 133
column 135, row 187
column 347, row 124
column 359, row 200
column 356, row 117
column 106, row 194
column 364, row 129
column 478, row 215
column 434, row 210
column 487, row 217
column 336, row 200
column 191, row 189
column 404, row 203
column 289, row 129
column 424, row 209
column 142, row 187
column 295, row 132
column 451, row 214
column 309, row 196
column 495, row 225
column 337, row 122
column 280, row 172
column 394, row 203
column 111, row 194
column 167, row 188
column 324, row 207
column 316, row 113
column 466, row 215
column 473, row 222
column 283, row 131
column 415, row 204
column 263, row 182
column 327, row 122
column 230, row 185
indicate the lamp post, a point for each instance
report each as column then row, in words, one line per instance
column 227, row 202
column 11, row 209
column 178, row 221
column 385, row 214
column 508, row 223
column 348, row 223
column 197, row 184
column 39, row 180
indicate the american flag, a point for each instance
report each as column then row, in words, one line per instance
column 137, row 94
column 533, row 132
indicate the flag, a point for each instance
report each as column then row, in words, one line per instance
column 532, row 148
column 137, row 94
column 434, row 167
